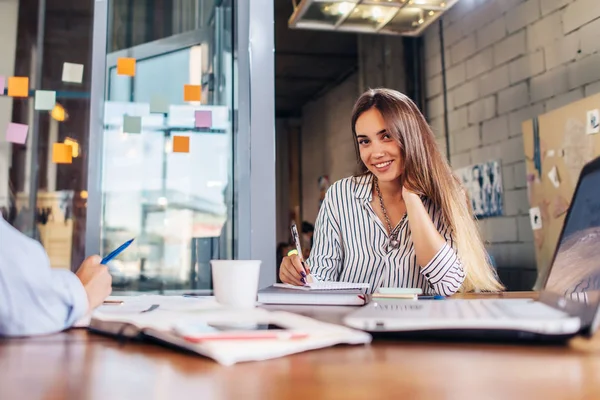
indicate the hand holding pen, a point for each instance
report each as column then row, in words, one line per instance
column 293, row 269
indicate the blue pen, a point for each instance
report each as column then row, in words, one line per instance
column 431, row 297
column 116, row 252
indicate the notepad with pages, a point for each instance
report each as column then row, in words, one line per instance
column 317, row 293
column 325, row 286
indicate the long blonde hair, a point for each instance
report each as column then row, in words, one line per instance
column 427, row 172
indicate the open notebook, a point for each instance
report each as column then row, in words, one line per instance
column 160, row 318
column 316, row 293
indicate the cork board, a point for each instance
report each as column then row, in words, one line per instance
column 557, row 146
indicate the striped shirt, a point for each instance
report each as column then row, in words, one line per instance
column 350, row 245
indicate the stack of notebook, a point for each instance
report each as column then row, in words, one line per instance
column 316, row 293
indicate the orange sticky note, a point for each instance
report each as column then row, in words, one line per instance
column 62, row 153
column 192, row 92
column 18, row 86
column 181, row 144
column 126, row 66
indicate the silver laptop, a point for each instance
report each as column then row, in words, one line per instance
column 569, row 303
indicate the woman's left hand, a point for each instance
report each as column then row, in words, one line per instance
column 407, row 193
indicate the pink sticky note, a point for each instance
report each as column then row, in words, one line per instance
column 203, row 119
column 2, row 84
column 16, row 133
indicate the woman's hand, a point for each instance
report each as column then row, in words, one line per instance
column 408, row 194
column 291, row 271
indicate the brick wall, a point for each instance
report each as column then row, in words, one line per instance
column 508, row 61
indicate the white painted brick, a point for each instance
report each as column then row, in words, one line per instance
column 463, row 49
column 437, row 125
column 491, row 33
column 516, row 202
column 510, row 48
column 459, row 10
column 522, row 15
column 580, row 12
column 590, row 37
column 482, row 62
column 512, row 150
column 482, row 109
column 563, row 50
column 461, row 160
column 441, row 144
column 516, row 118
column 584, row 71
column 456, row 75
column 457, row 119
column 494, row 81
column 564, row 99
column 544, row 31
column 432, row 40
column 520, row 175
column 452, row 34
column 466, row 93
column 435, row 107
column 486, row 153
column 551, row 5
column 508, row 177
column 513, row 98
column 501, row 229
column 466, row 140
column 592, row 89
column 549, row 84
column 494, row 130
column 507, row 5
column 434, row 86
column 525, row 67
column 433, row 66
column 524, row 233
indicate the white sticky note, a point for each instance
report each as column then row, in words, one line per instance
column 554, row 178
column 593, row 122
column 72, row 73
column 550, row 153
column 536, row 218
column 45, row 99
column 159, row 105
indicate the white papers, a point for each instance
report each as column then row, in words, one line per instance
column 593, row 122
column 554, row 178
column 325, row 286
column 72, row 73
column 536, row 218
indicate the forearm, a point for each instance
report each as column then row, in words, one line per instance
column 426, row 238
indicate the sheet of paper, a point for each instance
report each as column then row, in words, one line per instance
column 132, row 124
column 62, row 154
column 181, row 144
column 2, row 84
column 72, row 73
column 536, row 218
column 126, row 66
column 16, row 133
column 325, row 286
column 203, row 119
column 593, row 122
column 554, row 178
column 159, row 105
column 18, row 86
column 192, row 93
column 45, row 99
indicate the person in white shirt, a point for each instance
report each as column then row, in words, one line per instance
column 403, row 220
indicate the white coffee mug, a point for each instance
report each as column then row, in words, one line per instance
column 235, row 282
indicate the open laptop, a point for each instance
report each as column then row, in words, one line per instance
column 569, row 303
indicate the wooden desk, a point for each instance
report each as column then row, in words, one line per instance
column 78, row 365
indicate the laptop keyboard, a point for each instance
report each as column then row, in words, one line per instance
column 470, row 309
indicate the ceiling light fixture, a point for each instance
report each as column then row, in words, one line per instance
column 391, row 17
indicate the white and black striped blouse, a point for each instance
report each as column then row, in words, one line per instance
column 350, row 245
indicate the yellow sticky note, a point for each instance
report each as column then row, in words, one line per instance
column 62, row 153
column 192, row 93
column 18, row 86
column 126, row 66
column 181, row 144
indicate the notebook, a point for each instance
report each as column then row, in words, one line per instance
column 161, row 318
column 282, row 294
column 324, row 286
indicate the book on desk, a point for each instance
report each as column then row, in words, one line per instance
column 330, row 294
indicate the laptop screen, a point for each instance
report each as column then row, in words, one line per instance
column 575, row 271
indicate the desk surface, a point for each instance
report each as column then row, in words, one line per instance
column 78, row 365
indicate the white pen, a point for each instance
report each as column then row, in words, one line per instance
column 296, row 239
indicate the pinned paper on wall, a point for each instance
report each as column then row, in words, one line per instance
column 132, row 124
column 554, row 178
column 18, row 86
column 72, row 73
column 181, row 144
column 16, row 133
column 159, row 105
column 550, row 153
column 62, row 154
column 592, row 122
column 192, row 93
column 126, row 66
column 2, row 84
column 45, row 99
column 536, row 218
column 203, row 119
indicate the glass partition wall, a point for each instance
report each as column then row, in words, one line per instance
column 170, row 164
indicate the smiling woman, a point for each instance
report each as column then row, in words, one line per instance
column 403, row 220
